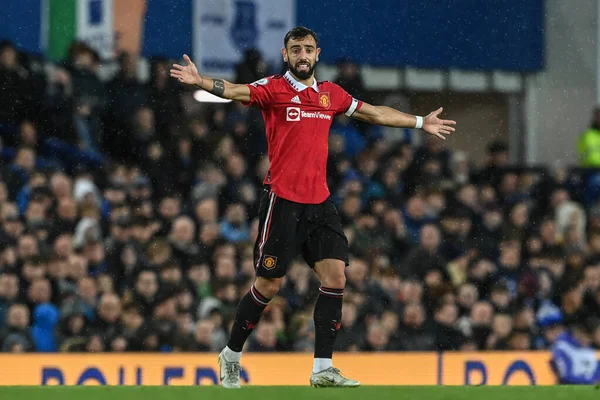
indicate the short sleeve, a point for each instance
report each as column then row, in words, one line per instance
column 347, row 104
column 260, row 93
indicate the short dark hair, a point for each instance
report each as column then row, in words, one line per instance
column 298, row 33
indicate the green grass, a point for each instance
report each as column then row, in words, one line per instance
column 302, row 393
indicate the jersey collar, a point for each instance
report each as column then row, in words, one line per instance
column 299, row 86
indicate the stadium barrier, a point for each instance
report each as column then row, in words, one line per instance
column 490, row 368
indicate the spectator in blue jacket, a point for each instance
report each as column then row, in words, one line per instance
column 45, row 318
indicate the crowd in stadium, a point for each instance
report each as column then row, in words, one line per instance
column 128, row 222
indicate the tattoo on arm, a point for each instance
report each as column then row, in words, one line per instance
column 218, row 87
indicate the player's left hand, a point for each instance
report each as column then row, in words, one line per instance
column 437, row 127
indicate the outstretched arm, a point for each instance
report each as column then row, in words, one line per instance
column 219, row 87
column 386, row 116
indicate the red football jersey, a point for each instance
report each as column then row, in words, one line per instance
column 297, row 121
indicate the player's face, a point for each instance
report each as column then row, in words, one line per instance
column 301, row 56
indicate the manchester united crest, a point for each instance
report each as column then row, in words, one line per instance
column 324, row 100
column 269, row 262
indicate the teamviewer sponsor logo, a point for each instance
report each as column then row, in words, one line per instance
column 292, row 114
column 316, row 114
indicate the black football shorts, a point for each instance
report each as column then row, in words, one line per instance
column 287, row 228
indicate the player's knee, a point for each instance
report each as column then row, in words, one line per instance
column 332, row 273
column 334, row 278
column 268, row 287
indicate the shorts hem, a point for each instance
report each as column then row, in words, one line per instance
column 344, row 259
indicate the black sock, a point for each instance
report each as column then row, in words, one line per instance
column 328, row 318
column 247, row 316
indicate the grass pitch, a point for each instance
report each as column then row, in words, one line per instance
column 303, row 393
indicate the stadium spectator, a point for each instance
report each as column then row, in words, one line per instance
column 265, row 339
column 161, row 92
column 414, row 334
column 377, row 339
column 350, row 78
column 9, row 292
column 446, row 336
column 497, row 160
column 203, row 336
column 15, row 336
column 426, row 256
column 13, row 81
column 73, row 328
column 252, row 68
column 45, row 318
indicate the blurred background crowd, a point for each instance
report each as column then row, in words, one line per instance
column 128, row 220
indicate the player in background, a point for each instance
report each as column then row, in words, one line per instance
column 574, row 360
column 296, row 213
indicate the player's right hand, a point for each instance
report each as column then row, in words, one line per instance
column 186, row 74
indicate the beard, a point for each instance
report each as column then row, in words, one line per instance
column 302, row 74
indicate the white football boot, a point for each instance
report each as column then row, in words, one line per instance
column 229, row 372
column 331, row 377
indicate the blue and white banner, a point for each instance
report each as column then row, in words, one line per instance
column 224, row 29
column 95, row 25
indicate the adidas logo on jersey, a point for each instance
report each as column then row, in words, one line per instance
column 296, row 99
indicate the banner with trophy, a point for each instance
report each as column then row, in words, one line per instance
column 223, row 31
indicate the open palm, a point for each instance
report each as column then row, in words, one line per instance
column 436, row 126
column 186, row 74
